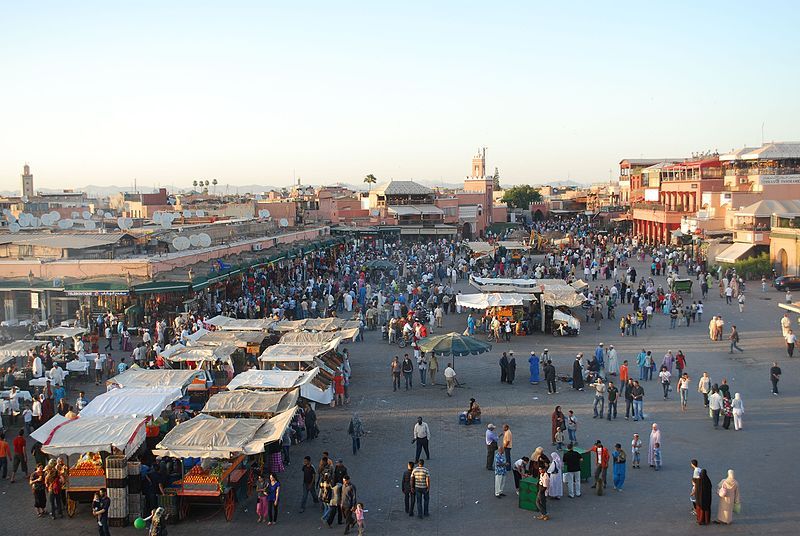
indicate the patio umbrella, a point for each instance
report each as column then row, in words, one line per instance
column 453, row 343
column 381, row 264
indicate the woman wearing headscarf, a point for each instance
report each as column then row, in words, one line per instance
column 557, row 421
column 738, row 410
column 727, row 411
column 356, row 431
column 533, row 360
column 702, row 487
column 538, row 459
column 655, row 437
column 577, row 373
column 728, row 491
column 556, row 489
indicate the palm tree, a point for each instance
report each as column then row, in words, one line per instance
column 194, row 183
column 370, row 179
column 214, row 182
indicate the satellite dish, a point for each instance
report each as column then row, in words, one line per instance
column 65, row 224
column 200, row 213
column 166, row 223
column 284, row 222
column 75, row 215
column 124, row 223
column 194, row 240
column 87, row 215
column 108, row 215
column 45, row 219
column 6, row 212
column 13, row 227
column 375, row 212
column 205, row 240
column 187, row 213
column 258, row 197
column 35, row 222
column 89, row 224
column 55, row 216
column 180, row 243
column 23, row 220
column 156, row 217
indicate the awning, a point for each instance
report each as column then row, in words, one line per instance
column 243, row 401
column 793, row 307
column 734, row 252
column 91, row 434
column 315, row 324
column 132, row 402
column 297, row 353
column 19, row 348
column 227, row 323
column 512, row 245
column 210, row 437
column 136, row 377
column 278, row 380
column 307, row 338
column 97, row 288
column 61, row 332
column 241, row 339
column 153, row 287
column 198, row 354
column 485, row 300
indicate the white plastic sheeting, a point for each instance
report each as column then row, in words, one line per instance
column 96, row 433
column 272, row 379
column 136, row 377
column 205, row 436
column 495, row 299
column 132, row 402
column 243, row 401
column 297, row 353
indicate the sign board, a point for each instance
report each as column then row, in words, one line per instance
column 777, row 179
column 34, row 300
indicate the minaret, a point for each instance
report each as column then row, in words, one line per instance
column 479, row 164
column 27, row 182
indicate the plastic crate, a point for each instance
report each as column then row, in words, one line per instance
column 117, row 483
column 528, row 488
column 116, row 462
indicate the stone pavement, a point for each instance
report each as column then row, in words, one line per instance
column 462, row 498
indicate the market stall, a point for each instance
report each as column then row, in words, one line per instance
column 227, row 323
column 17, row 351
column 136, row 377
column 139, row 402
column 61, row 332
column 223, row 445
column 315, row 324
column 251, row 404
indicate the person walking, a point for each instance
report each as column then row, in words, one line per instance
column 664, row 376
column 791, row 339
column 702, row 495
column 500, row 470
column 628, row 394
column 349, row 501
column 729, row 502
column 572, row 471
column 408, row 489
column 507, row 444
column 683, row 390
column 450, row 378
column 737, row 408
column 309, row 478
column 653, row 459
column 503, row 368
column 704, row 387
column 734, row 338
column 638, row 401
column 491, row 446
column 421, row 437
column 541, row 494
column 550, row 377
column 356, row 432
column 407, row 367
column 775, row 377
column 533, row 363
column 100, row 509
column 395, row 368
column 618, row 471
column 19, row 446
column 421, row 481
column 433, row 367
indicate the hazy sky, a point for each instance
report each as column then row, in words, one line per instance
column 250, row 92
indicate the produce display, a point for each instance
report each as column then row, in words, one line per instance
column 90, row 464
column 199, row 478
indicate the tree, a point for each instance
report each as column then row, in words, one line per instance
column 370, row 179
column 496, row 178
column 521, row 196
column 194, row 183
column 215, row 182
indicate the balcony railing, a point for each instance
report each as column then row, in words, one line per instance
column 738, row 172
column 650, row 206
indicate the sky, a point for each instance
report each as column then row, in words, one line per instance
column 258, row 92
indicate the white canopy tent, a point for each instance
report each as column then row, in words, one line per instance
column 513, row 245
column 205, row 436
column 199, row 354
column 297, row 352
column 495, row 299
column 226, row 323
column 98, row 433
column 132, row 402
column 136, row 377
column 309, row 338
column 65, row 332
column 272, row 379
column 315, row 324
column 253, row 402
column 17, row 349
column 240, row 339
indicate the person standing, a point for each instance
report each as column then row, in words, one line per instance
column 737, row 407
column 503, row 368
column 421, row 481
column 728, row 492
column 421, row 437
column 20, row 455
column 408, row 490
column 450, row 378
column 680, row 362
column 554, row 470
column 507, row 444
column 550, row 377
column 422, row 365
column 356, row 432
column 638, row 401
column 655, row 440
column 715, row 404
column 601, row 466
column 618, row 471
column 636, row 452
column 572, row 471
column 5, row 455
column 775, row 377
column 533, row 362
column 683, row 390
column 500, row 470
column 407, row 368
column 433, row 366
column 395, row 367
column 100, row 507
column 577, row 373
column 557, row 422
column 572, row 427
column 702, row 497
column 628, row 393
column 704, row 387
column 512, row 368
column 791, row 339
column 541, row 494
column 613, row 395
column 349, row 501
column 599, row 397
column 491, row 446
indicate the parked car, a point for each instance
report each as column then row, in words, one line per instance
column 791, row 282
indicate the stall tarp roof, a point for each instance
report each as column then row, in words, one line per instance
column 18, row 348
column 294, row 352
column 61, row 332
column 96, row 433
column 506, row 281
column 569, row 319
column 240, row 339
column 180, row 353
column 136, row 377
column 308, row 338
column 320, row 396
column 498, row 299
column 272, row 379
column 512, row 244
column 480, row 247
column 132, row 402
column 793, row 307
column 245, row 401
column 315, row 324
column 227, row 323
column 580, row 284
column 205, row 436
column 734, row 252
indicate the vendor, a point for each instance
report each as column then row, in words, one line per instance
column 474, row 411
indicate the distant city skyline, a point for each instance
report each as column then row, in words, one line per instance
column 254, row 93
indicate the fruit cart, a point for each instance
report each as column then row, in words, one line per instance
column 85, row 478
column 215, row 451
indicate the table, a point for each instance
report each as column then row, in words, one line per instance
column 41, row 382
column 78, row 366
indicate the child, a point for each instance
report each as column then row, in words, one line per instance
column 572, row 427
column 559, row 438
column 636, row 447
column 657, row 456
column 360, row 518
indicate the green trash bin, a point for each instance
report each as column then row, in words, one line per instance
column 586, row 463
column 528, row 488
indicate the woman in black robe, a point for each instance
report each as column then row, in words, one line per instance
column 503, row 368
column 577, row 374
column 703, row 489
column 512, row 369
